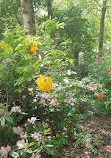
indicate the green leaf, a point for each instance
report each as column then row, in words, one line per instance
column 49, row 151
column 9, row 119
column 48, row 145
column 14, row 154
column 31, row 144
column 2, row 121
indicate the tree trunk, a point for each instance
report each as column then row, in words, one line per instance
column 75, row 52
column 76, row 56
column 50, row 16
column 28, row 17
column 101, row 36
column 49, row 7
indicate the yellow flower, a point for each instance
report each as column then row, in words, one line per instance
column 3, row 44
column 33, row 49
column 43, row 84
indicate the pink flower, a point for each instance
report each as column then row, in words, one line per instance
column 36, row 136
column 109, row 73
column 23, row 135
column 45, row 125
column 17, row 130
column 36, row 156
column 4, row 150
column 68, row 101
column 54, row 103
column 15, row 109
column 42, row 101
column 32, row 120
column 30, row 89
column 44, row 96
column 21, row 144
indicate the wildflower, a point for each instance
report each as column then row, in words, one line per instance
column 107, row 149
column 94, row 67
column 45, row 125
column 36, row 136
column 68, row 101
column 66, row 81
column 21, row 144
column 100, row 62
column 93, row 85
column 23, row 135
column 15, row 109
column 17, row 130
column 32, row 120
column 44, row 85
column 3, row 44
column 33, row 49
column 109, row 67
column 54, row 103
column 100, row 95
column 36, row 156
column 109, row 73
column 69, row 72
column 99, row 59
column 34, row 100
column 30, row 89
column 4, row 150
column 45, row 96
column 42, row 101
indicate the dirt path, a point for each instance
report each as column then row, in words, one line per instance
column 99, row 129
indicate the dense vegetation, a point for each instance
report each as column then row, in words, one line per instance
column 50, row 81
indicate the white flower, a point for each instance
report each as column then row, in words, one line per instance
column 30, row 89
column 34, row 100
column 15, row 109
column 66, row 80
column 32, row 120
column 69, row 72
column 17, row 130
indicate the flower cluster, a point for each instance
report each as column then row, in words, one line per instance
column 100, row 95
column 15, row 108
column 100, row 61
column 3, row 44
column 32, row 120
column 17, row 130
column 43, row 84
column 93, row 85
column 21, row 144
column 32, row 48
column 36, row 156
column 4, row 150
